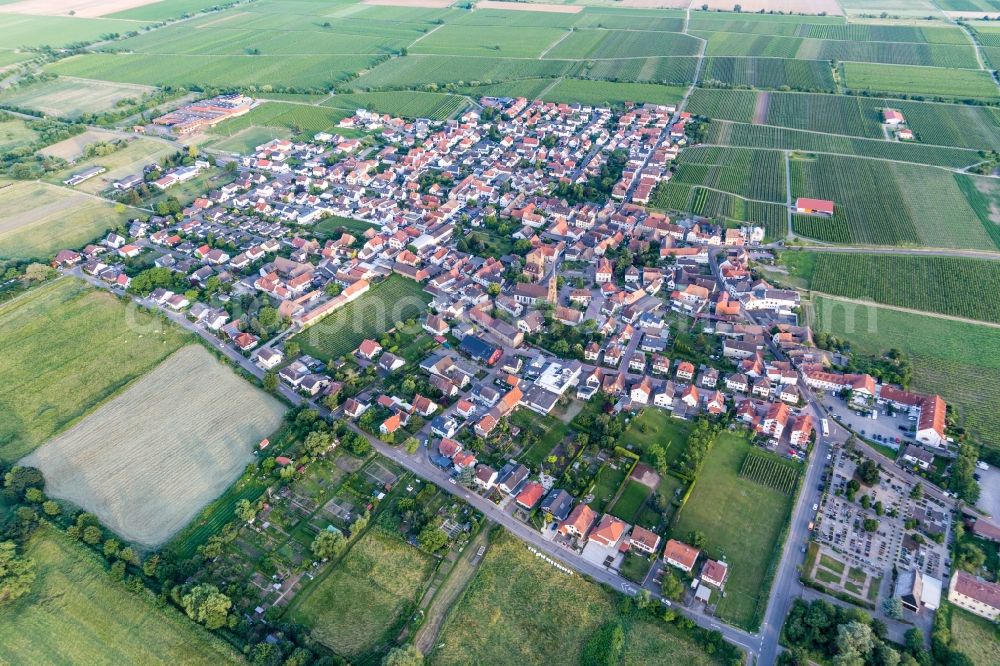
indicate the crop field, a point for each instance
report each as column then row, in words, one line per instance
column 768, row 470
column 600, row 44
column 816, row 27
column 76, row 614
column 610, row 93
column 524, row 42
column 164, row 9
column 955, row 359
column 308, row 71
column 299, row 118
column 68, row 349
column 953, row 286
column 71, row 99
column 714, row 204
column 387, row 303
column 520, row 610
column 810, row 75
column 720, row 506
column 751, row 174
column 37, row 219
column 353, row 607
column 147, row 477
column 72, row 148
column 23, row 30
column 727, row 133
column 417, row 71
column 671, row 70
column 10, row 57
column 959, row 83
column 983, row 195
column 886, row 203
column 14, row 134
column 403, row 104
column 125, row 162
column 742, row 44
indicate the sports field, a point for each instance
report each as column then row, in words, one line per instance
column 68, row 348
column 354, row 608
column 149, row 459
column 721, row 506
column 392, row 301
column 37, row 219
column 518, row 609
column 76, row 614
column 72, row 98
column 954, row 359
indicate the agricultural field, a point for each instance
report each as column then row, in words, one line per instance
column 129, row 161
column 72, row 148
column 610, row 93
column 953, row 286
column 28, row 31
column 976, row 637
column 403, row 104
column 885, row 203
column 145, row 478
column 164, row 9
column 721, row 505
column 519, row 610
column 599, row 44
column 472, row 40
column 244, row 141
column 66, row 98
column 307, row 71
column 76, row 614
column 10, row 57
column 953, row 359
column 37, row 219
column 808, row 75
column 984, row 196
column 387, row 303
column 932, row 81
column 358, row 605
column 747, row 173
column 14, row 133
column 282, row 116
column 727, row 133
column 770, row 471
column 418, row 71
column 69, row 348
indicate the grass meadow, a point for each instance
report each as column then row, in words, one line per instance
column 68, row 348
column 14, row 134
column 519, row 610
column 387, row 303
column 147, row 477
column 955, row 359
column 38, row 219
column 357, row 606
column 977, row 637
column 742, row 522
column 70, row 98
column 129, row 161
column 76, row 614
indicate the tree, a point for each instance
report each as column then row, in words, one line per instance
column 246, row 511
column 270, row 381
column 913, row 640
column 328, row 544
column 971, row 557
column 671, row 587
column 893, row 607
column 854, row 639
column 432, row 538
column 16, row 573
column 92, row 534
column 408, row 655
column 868, row 472
column 206, row 605
column 918, row 492
column 870, row 525
column 697, row 539
column 51, row 508
column 316, row 443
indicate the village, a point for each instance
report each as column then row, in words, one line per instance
column 491, row 295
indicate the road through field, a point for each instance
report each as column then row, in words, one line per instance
column 923, row 313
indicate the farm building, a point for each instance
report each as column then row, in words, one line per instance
column 892, row 117
column 814, row 206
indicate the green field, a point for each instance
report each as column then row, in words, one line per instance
column 246, row 140
column 886, row 203
column 71, row 98
column 601, row 44
column 932, row 81
column 403, row 104
column 471, row 40
column 299, row 118
column 549, row 431
column 657, row 426
column 37, row 219
column 610, row 93
column 977, row 637
column 954, row 359
column 335, row 225
column 393, row 300
column 745, row 71
column 68, row 348
column 956, row 286
column 766, row 136
column 165, row 9
column 128, row 161
column 519, row 610
column 631, row 502
column 420, row 70
column 14, row 134
column 354, row 607
column 76, row 614
column 23, row 30
column 742, row 522
column 747, row 173
column 609, row 480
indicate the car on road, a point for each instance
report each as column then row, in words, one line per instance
column 815, row 507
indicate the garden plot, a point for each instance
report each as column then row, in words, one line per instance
column 147, row 461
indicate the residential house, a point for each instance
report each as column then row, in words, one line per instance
column 680, row 555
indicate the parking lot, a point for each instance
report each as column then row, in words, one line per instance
column 886, row 429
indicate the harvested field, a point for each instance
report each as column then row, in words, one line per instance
column 71, row 98
column 72, row 148
column 147, row 461
column 81, row 8
column 529, row 7
column 68, row 347
column 430, row 4
column 129, row 161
